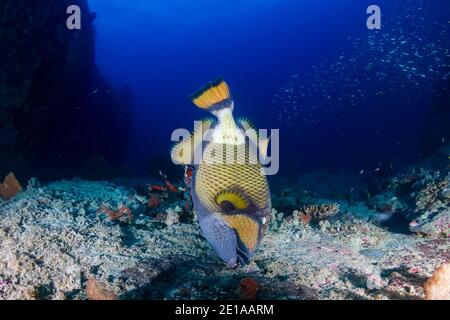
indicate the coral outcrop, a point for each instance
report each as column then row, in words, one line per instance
column 420, row 196
column 53, row 241
column 438, row 286
column 98, row 291
column 10, row 187
column 321, row 212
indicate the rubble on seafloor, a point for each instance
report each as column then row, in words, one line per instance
column 57, row 244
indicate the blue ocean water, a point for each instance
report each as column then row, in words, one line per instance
column 92, row 207
column 344, row 97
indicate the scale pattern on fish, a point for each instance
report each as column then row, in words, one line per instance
column 229, row 190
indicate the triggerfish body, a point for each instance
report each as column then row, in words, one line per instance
column 229, row 190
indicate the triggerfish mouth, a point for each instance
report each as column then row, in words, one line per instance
column 229, row 190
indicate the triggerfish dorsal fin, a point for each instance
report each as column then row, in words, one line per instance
column 262, row 144
column 183, row 152
column 249, row 130
column 215, row 94
column 246, row 124
column 247, row 229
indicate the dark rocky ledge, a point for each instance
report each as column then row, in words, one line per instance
column 57, row 110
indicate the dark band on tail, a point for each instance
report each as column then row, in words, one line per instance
column 215, row 94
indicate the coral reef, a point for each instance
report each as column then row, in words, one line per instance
column 432, row 190
column 118, row 214
column 415, row 200
column 154, row 202
column 53, row 240
column 169, row 202
column 303, row 218
column 98, row 291
column 321, row 212
column 438, row 286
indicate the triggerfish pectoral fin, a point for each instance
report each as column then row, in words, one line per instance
column 183, row 151
column 221, row 237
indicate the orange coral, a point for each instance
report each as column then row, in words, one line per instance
column 98, row 291
column 321, row 212
column 156, row 188
column 171, row 187
column 249, row 288
column 168, row 186
column 153, row 202
column 304, row 218
column 10, row 187
column 116, row 214
column 438, row 286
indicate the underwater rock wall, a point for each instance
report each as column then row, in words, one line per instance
column 49, row 88
column 437, row 131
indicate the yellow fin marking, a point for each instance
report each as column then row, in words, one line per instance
column 234, row 198
column 263, row 146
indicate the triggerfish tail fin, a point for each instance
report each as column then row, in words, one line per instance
column 214, row 95
column 183, row 152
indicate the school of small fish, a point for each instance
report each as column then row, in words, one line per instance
column 409, row 58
